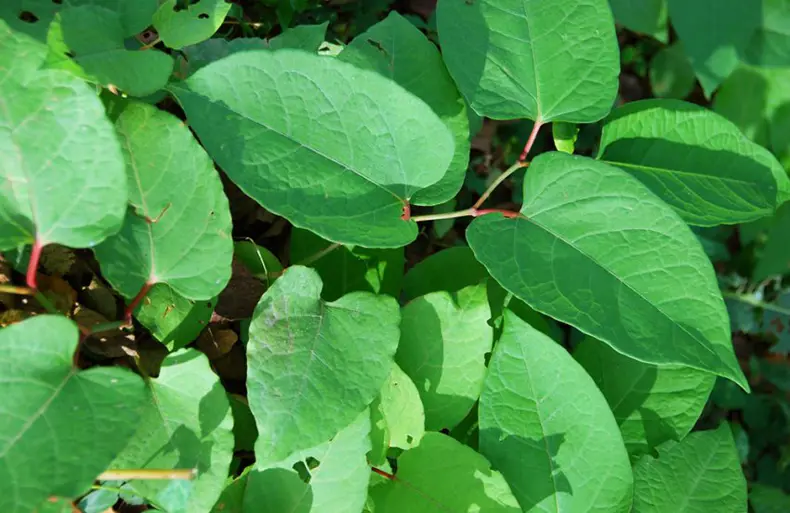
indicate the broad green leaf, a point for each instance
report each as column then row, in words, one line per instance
column 443, row 345
column 443, row 475
column 671, row 74
column 244, row 430
column 62, row 174
column 402, row 410
column 449, row 270
column 539, row 406
column 301, row 37
column 349, row 269
column 135, row 15
column 396, row 49
column 597, row 250
column 565, row 135
column 61, row 427
column 712, row 41
column 651, row 404
column 527, row 59
column 171, row 318
column 645, row 16
column 192, row 23
column 342, row 165
column 695, row 160
column 186, row 423
column 177, row 229
column 756, row 99
column 767, row 499
column 339, row 482
column 701, row 473
column 92, row 37
column 775, row 258
column 273, row 490
column 313, row 366
column 770, row 43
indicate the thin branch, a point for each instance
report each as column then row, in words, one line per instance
column 19, row 291
column 447, row 215
column 130, row 308
column 32, row 266
column 531, row 140
column 148, row 474
column 318, row 256
column 750, row 300
column 501, row 178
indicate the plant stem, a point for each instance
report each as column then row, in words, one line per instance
column 19, row 291
column 46, row 303
column 32, row 265
column 756, row 302
column 531, row 140
column 149, row 474
column 382, row 473
column 501, row 178
column 321, row 254
column 447, row 215
column 130, row 308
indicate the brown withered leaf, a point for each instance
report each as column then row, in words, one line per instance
column 57, row 259
column 232, row 366
column 216, row 342
column 239, row 298
column 112, row 343
column 58, row 291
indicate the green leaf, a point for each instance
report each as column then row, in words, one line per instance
column 309, row 161
column 339, row 483
column 195, row 22
column 770, row 43
column 402, row 410
column 645, row 16
column 775, row 259
column 257, row 259
column 565, row 135
column 314, row 366
column 449, row 270
column 187, row 423
column 671, row 74
column 651, row 404
column 244, row 430
column 767, row 499
column 443, row 344
column 524, row 59
column 93, row 37
column 269, row 491
column 171, row 318
column 135, row 15
column 302, row 37
column 396, row 49
column 696, row 474
column 177, row 230
column 61, row 426
column 58, row 135
column 713, row 42
column 597, row 250
column 349, row 269
column 443, row 475
column 539, row 406
column 695, row 160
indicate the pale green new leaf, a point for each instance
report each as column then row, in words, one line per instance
column 695, row 160
column 702, row 473
column 92, row 37
column 342, row 165
column 444, row 340
column 172, row 319
column 546, row 61
column 713, row 32
column 195, row 22
column 443, row 475
column 770, row 43
column 314, row 366
column 349, row 269
column 775, row 257
column 597, row 250
column 545, row 425
column 651, row 404
column 62, row 175
column 396, row 49
column 564, row 135
column 177, row 229
column 645, row 16
column 186, row 423
column 671, row 74
column 59, row 427
column 402, row 410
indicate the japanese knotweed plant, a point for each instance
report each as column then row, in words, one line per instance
column 353, row 392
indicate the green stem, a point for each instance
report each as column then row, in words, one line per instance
column 19, row 291
column 501, row 178
column 750, row 300
column 447, row 215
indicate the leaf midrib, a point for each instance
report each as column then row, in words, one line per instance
column 644, row 167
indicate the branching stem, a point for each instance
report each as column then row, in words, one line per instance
column 130, row 308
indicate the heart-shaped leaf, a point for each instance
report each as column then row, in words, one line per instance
column 314, row 366
column 45, row 399
column 186, row 424
column 177, row 229
column 651, row 404
column 539, row 406
column 695, row 160
column 525, row 58
column 342, row 165
column 179, row 26
column 596, row 249
column 62, row 174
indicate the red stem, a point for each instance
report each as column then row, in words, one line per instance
column 130, row 308
column 32, row 266
column 532, row 136
column 483, row 211
column 380, row 472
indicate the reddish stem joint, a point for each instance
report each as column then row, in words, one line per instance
column 483, row 211
column 382, row 473
column 132, row 306
column 32, row 265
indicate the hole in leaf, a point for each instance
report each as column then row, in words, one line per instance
column 203, row 16
column 28, row 17
column 301, row 469
column 312, row 463
column 70, row 54
column 184, row 4
column 57, row 2
column 409, row 439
